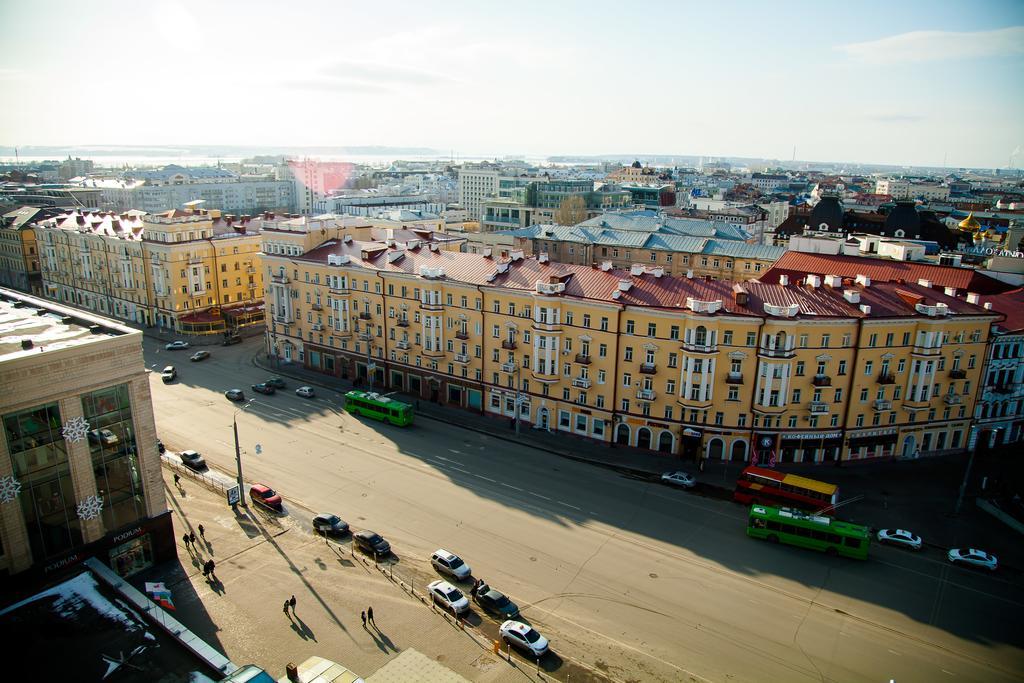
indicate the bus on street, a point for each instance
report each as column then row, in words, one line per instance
column 816, row 532
column 373, row 405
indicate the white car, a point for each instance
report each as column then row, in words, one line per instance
column 448, row 596
column 305, row 392
column 523, row 637
column 177, row 346
column 900, row 537
column 679, row 478
column 973, row 558
column 450, row 564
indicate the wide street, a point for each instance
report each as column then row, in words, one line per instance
column 646, row 582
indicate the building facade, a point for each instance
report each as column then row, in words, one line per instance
column 999, row 415
column 477, row 182
column 78, row 450
column 826, row 371
column 19, row 258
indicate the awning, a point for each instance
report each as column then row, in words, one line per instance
column 692, row 433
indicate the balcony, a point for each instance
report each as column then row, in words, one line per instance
column 582, row 382
column 957, row 373
column 822, row 381
column 317, row 327
column 462, row 358
column 886, row 378
column 508, row 345
column 582, row 359
column 402, row 322
column 1002, row 388
column 648, row 368
column 366, row 336
column 402, row 344
column 365, row 315
column 776, row 353
column 927, row 350
column 280, row 278
column 462, row 334
column 734, row 378
column 819, row 408
column 546, row 377
column 646, row 394
column 882, row 404
column 431, row 305
column 316, row 307
column 250, row 270
column 699, row 348
column 952, row 399
column 510, row 368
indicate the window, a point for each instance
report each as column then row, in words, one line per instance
column 629, row 353
column 751, row 338
column 627, row 379
column 586, row 320
column 727, row 337
column 825, row 340
column 799, row 368
column 672, row 360
column 869, row 367
column 652, row 329
column 630, row 327
column 673, row 332
column 842, row 367
column 604, row 324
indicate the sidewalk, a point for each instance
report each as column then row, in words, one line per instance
column 262, row 560
column 918, row 495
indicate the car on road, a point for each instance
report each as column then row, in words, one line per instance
column 192, row 460
column 371, row 542
column 199, row 355
column 276, row 382
column 235, row 395
column 233, row 339
column 177, row 346
column 305, row 392
column 263, row 388
column 103, row 436
column 899, row 537
column 450, row 564
column 523, row 637
column 326, row 523
column 261, row 494
column 972, row 557
column 168, row 374
column 495, row 602
column 679, row 478
column 448, row 596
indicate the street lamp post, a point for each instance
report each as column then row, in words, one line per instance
column 517, row 408
column 238, row 452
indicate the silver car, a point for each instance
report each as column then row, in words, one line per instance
column 972, row 557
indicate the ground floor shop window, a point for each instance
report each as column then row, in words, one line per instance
column 132, row 557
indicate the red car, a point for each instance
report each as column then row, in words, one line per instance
column 262, row 494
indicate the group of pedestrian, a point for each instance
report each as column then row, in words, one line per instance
column 189, row 539
column 289, row 603
column 478, row 585
column 208, row 568
column 367, row 616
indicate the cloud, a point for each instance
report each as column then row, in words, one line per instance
column 929, row 46
column 896, row 118
column 365, row 77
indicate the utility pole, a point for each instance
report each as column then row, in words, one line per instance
column 238, row 452
column 516, row 408
column 967, row 476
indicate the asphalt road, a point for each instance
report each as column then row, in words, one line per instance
column 647, row 582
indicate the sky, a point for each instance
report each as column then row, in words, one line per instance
column 907, row 82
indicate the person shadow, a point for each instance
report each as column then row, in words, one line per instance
column 209, row 546
column 300, row 627
column 380, row 639
column 216, row 585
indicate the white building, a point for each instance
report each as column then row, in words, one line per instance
column 908, row 189
column 476, row 183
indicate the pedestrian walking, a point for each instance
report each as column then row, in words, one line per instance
column 362, row 615
column 286, row 608
column 192, row 538
column 209, row 567
column 292, row 603
column 202, row 532
column 177, row 479
column 369, row 616
column 184, row 539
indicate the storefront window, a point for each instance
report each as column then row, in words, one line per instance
column 115, row 455
column 39, row 455
column 132, row 557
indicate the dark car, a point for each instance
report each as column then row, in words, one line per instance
column 275, row 382
column 371, row 542
column 495, row 602
column 192, row 460
column 263, row 388
column 235, row 395
column 262, row 494
column 326, row 523
column 233, row 339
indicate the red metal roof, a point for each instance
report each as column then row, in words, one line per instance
column 1011, row 305
column 798, row 264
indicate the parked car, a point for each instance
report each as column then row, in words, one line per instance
column 679, row 478
column 168, row 374
column 261, row 494
column 177, row 346
column 900, row 537
column 235, row 395
column 326, row 523
column 305, row 392
column 263, row 388
column 276, row 382
column 199, row 355
column 523, row 637
column 233, row 339
column 973, row 558
column 448, row 596
column 192, row 460
column 160, row 446
column 450, row 564
column 371, row 542
column 495, row 602
column 103, row 436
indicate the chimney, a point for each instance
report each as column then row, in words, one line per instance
column 813, row 281
column 925, row 283
column 347, row 239
column 543, row 257
column 689, row 274
column 739, row 295
column 606, row 266
column 26, row 344
column 865, row 309
column 834, row 281
column 783, row 280
column 851, row 295
column 636, row 269
column 863, row 280
column 658, row 271
column 973, row 298
column 624, row 285
column 950, row 291
column 487, row 252
column 988, row 305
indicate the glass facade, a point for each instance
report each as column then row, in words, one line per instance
column 39, row 456
column 115, row 455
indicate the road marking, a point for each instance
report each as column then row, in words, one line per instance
column 493, row 481
column 947, row 672
column 898, row 654
column 511, row 486
column 452, row 450
column 568, row 505
column 538, row 495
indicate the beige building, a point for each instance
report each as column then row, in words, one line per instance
column 192, row 271
column 19, row 258
column 691, row 366
column 79, row 468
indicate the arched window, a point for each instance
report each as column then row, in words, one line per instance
column 643, row 438
column 716, row 449
column 622, row 434
column 739, row 450
column 666, row 442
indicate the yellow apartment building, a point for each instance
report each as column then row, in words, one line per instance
column 699, row 368
column 192, row 272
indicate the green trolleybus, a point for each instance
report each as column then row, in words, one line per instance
column 373, row 405
column 827, row 535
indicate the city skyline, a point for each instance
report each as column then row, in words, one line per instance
column 876, row 87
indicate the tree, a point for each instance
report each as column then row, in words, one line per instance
column 571, row 211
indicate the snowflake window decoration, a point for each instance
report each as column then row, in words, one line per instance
column 90, row 507
column 9, row 489
column 75, row 429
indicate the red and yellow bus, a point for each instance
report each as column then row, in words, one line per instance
column 757, row 485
